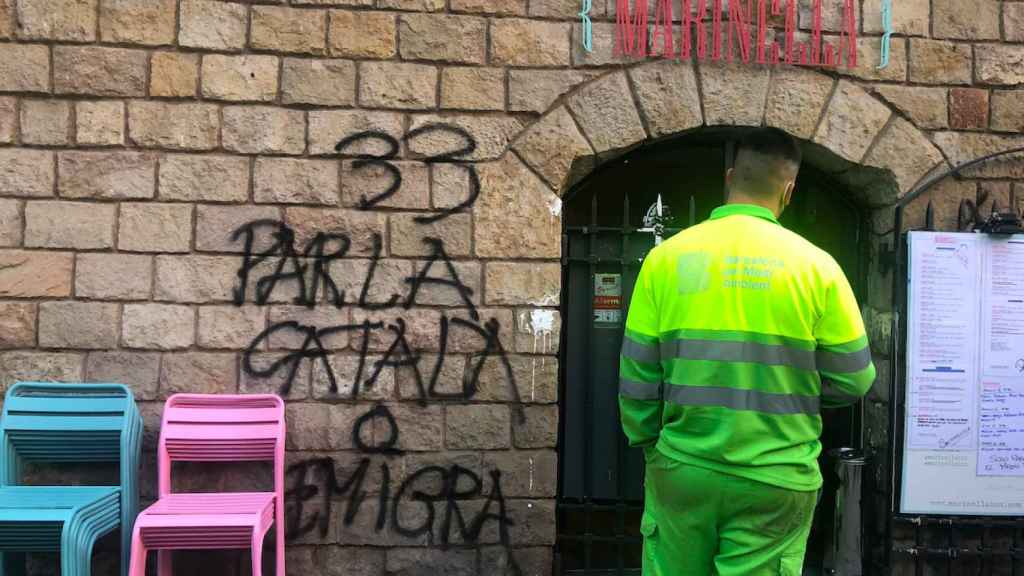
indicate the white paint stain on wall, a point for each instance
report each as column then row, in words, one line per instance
column 541, row 324
column 555, row 206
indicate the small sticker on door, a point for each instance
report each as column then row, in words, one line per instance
column 607, row 300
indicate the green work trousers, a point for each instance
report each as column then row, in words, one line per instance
column 698, row 522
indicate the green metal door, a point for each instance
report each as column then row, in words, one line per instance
column 611, row 222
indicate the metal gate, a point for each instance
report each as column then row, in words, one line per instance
column 611, row 221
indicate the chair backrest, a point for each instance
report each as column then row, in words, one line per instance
column 221, row 428
column 46, row 422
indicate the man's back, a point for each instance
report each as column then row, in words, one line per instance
column 733, row 326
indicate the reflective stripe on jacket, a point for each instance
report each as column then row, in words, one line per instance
column 738, row 332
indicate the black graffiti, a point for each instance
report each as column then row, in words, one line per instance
column 389, row 446
column 312, row 347
column 443, row 492
column 303, row 272
column 437, row 253
column 314, row 485
column 381, row 161
column 282, row 266
column 395, row 175
column 288, row 263
column 447, row 499
column 451, row 496
column 398, row 354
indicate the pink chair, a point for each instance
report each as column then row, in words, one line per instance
column 214, row 428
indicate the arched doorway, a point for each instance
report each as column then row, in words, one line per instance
column 609, row 226
column 860, row 152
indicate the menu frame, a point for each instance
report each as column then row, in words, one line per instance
column 937, row 472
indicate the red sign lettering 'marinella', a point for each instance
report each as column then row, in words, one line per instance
column 635, row 37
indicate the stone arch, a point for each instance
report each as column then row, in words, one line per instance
column 849, row 133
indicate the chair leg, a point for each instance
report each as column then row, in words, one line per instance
column 257, row 554
column 126, row 543
column 279, row 546
column 81, row 564
column 164, row 563
column 138, row 557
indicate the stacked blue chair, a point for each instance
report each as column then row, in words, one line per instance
column 57, row 423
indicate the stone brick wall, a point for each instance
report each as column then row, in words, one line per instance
column 356, row 203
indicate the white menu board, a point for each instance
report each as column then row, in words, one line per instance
column 964, row 443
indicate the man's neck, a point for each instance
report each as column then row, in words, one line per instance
column 740, row 198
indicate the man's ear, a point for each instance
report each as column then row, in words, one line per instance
column 787, row 196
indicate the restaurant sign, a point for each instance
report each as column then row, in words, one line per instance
column 742, row 24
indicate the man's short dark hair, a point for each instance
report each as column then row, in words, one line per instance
column 765, row 160
column 774, row 143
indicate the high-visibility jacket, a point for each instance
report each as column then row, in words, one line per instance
column 738, row 332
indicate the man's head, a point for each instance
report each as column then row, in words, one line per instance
column 765, row 170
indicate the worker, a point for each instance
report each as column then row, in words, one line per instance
column 739, row 332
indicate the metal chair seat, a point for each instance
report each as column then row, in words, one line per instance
column 201, row 521
column 36, row 518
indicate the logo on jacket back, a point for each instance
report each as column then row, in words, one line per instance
column 693, row 272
